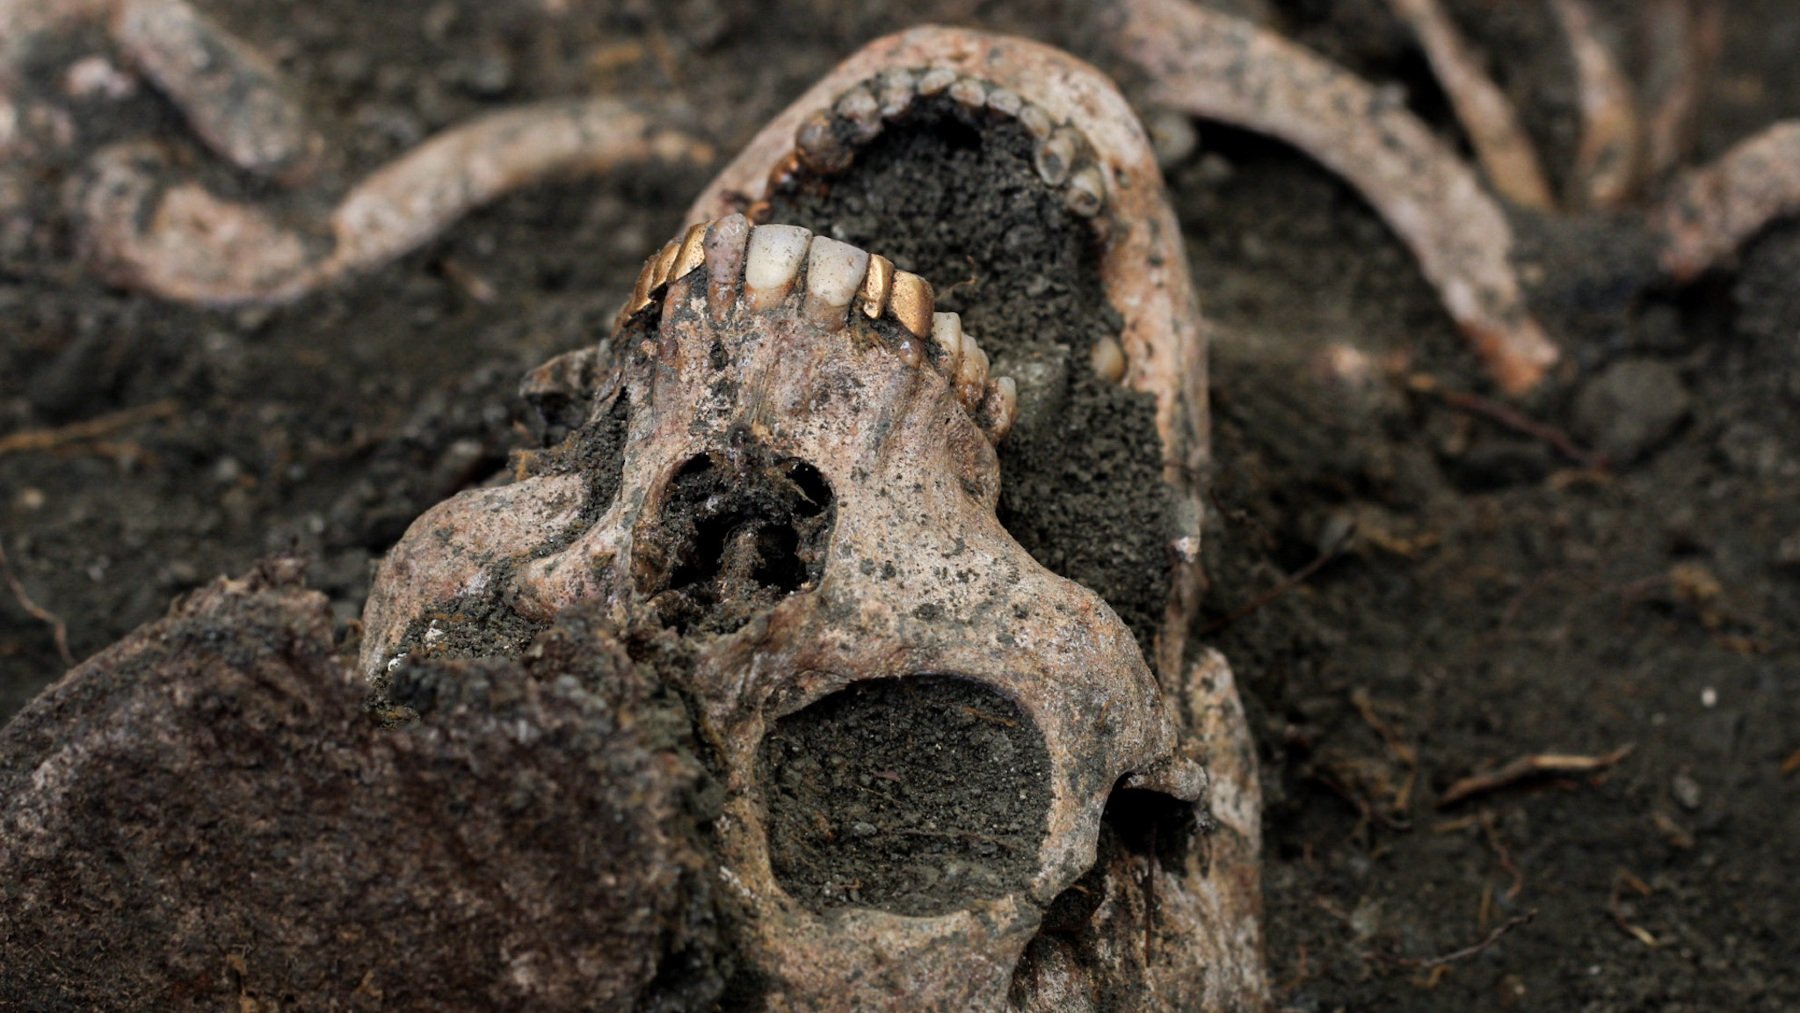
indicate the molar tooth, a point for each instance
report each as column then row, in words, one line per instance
column 910, row 300
column 771, row 263
column 1005, row 101
column 1002, row 407
column 895, row 89
column 724, row 243
column 819, row 146
column 1108, row 359
column 834, row 273
column 1036, row 121
column 1056, row 156
column 969, row 92
column 859, row 108
column 873, row 297
column 1086, row 193
column 692, row 253
column 936, row 80
column 947, row 335
column 971, row 373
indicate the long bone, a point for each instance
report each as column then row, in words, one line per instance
column 144, row 227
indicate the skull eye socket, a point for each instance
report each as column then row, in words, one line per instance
column 917, row 796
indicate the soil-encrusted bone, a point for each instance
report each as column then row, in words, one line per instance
column 205, row 815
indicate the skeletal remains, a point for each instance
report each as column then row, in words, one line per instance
column 778, row 492
column 809, row 478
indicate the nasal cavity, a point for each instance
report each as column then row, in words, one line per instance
column 736, row 531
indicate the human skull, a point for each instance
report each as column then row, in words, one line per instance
column 952, row 780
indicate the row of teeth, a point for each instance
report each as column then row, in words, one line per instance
column 840, row 280
column 826, row 142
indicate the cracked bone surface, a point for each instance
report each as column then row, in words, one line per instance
column 788, row 477
column 814, row 511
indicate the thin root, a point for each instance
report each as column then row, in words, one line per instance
column 1529, row 766
column 37, row 440
column 1487, row 942
column 1501, row 143
column 1509, row 417
column 1214, row 66
column 59, row 631
column 1622, row 881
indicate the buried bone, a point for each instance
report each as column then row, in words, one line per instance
column 805, row 502
column 790, row 488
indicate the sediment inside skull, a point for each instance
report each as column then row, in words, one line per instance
column 917, row 796
column 735, row 533
column 951, row 193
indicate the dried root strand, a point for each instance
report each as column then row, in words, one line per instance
column 1711, row 212
column 1218, row 67
column 1487, row 115
column 1609, row 160
column 179, row 242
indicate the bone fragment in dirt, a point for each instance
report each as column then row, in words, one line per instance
column 1218, row 67
column 1683, row 39
column 1500, row 141
column 179, row 242
column 231, row 95
column 1609, row 159
column 210, row 797
column 1712, row 211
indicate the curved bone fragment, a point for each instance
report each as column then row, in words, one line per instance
column 1609, row 160
column 1683, row 39
column 179, row 242
column 231, row 95
column 1219, row 67
column 1500, row 141
column 1711, row 212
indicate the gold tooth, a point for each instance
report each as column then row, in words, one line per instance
column 784, row 175
column 911, row 301
column 640, row 293
column 692, row 253
column 665, row 262
column 873, row 296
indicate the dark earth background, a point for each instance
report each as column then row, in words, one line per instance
column 1494, row 598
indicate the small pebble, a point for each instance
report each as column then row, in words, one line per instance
column 1686, row 791
column 1630, row 407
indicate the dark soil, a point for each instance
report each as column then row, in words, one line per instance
column 1489, row 598
column 951, row 195
column 911, row 795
